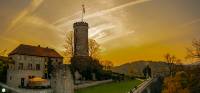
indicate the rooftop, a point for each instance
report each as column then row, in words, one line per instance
column 35, row 51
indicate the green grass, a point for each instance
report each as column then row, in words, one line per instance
column 113, row 87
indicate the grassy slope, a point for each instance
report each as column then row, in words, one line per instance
column 114, row 87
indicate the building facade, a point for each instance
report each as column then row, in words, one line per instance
column 31, row 62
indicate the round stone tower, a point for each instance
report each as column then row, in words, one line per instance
column 81, row 39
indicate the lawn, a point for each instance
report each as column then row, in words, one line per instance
column 113, row 87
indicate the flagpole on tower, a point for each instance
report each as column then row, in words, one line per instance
column 83, row 11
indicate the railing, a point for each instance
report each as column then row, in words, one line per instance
column 143, row 86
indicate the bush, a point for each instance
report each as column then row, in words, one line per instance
column 3, row 72
column 86, row 66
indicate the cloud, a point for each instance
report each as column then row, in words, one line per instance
column 105, row 31
column 191, row 23
column 94, row 31
column 63, row 22
column 37, row 21
column 116, row 35
column 30, row 29
column 27, row 11
column 9, row 40
column 38, row 31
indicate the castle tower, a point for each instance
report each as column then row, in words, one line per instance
column 81, row 39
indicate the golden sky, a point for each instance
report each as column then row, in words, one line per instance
column 127, row 30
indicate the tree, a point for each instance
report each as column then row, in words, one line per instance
column 3, row 52
column 176, row 84
column 147, row 71
column 3, row 72
column 194, row 52
column 107, row 65
column 94, row 47
column 171, row 62
column 131, row 71
column 68, row 53
column 86, row 66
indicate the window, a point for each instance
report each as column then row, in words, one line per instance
column 37, row 66
column 20, row 66
column 8, row 66
column 10, row 78
column 30, row 66
column 24, row 57
column 30, row 77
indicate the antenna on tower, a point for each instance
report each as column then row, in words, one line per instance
column 83, row 10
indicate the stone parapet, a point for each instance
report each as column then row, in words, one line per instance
column 80, row 24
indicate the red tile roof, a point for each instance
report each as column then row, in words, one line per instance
column 35, row 51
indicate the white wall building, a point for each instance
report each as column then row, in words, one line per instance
column 30, row 62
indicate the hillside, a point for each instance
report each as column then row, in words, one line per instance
column 195, row 63
column 135, row 68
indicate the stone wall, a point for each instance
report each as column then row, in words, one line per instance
column 62, row 80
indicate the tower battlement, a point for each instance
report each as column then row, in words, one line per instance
column 80, row 24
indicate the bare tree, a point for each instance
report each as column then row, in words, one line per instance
column 194, row 52
column 171, row 60
column 94, row 47
column 178, row 65
column 107, row 64
column 68, row 46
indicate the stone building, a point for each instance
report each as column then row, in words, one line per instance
column 81, row 39
column 44, row 63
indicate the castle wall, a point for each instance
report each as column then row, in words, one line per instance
column 62, row 80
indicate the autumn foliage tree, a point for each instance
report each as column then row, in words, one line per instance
column 94, row 49
column 3, row 52
column 170, row 59
column 194, row 51
column 176, row 84
column 85, row 65
column 107, row 65
column 173, row 63
column 68, row 52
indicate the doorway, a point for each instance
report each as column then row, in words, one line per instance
column 22, row 82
